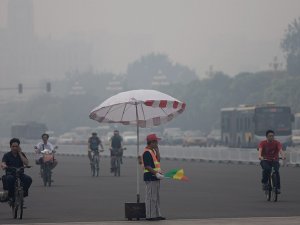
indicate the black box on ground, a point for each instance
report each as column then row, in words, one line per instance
column 135, row 210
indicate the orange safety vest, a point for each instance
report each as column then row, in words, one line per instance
column 154, row 158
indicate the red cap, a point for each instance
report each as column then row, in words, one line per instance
column 152, row 137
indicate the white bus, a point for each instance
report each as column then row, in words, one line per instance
column 246, row 125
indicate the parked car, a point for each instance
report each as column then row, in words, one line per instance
column 194, row 138
column 129, row 137
column 173, row 136
column 194, row 141
column 66, row 138
column 214, row 138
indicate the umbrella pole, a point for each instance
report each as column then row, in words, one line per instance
column 137, row 153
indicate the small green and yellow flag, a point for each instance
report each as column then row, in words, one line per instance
column 176, row 174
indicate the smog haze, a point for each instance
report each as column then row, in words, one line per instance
column 230, row 36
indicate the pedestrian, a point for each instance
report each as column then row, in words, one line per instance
column 152, row 177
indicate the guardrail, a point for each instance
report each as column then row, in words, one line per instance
column 216, row 154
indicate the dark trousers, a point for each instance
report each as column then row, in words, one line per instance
column 9, row 184
column 267, row 168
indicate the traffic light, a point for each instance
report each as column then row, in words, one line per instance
column 20, row 88
column 48, row 87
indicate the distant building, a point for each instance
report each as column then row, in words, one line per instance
column 23, row 54
column 77, row 89
column 160, row 80
column 115, row 85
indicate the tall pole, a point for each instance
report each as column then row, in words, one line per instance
column 137, row 153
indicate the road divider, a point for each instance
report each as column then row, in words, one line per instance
column 218, row 154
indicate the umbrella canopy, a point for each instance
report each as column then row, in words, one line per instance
column 145, row 108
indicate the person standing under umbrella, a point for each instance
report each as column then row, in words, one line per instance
column 152, row 177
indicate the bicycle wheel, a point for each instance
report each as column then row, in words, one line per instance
column 21, row 203
column 93, row 166
column 49, row 173
column 45, row 180
column 274, row 188
column 118, row 167
column 93, row 169
column 45, row 175
column 268, row 192
column 14, row 209
column 17, row 207
column 97, row 166
column 14, row 205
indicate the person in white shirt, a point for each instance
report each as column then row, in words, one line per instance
column 44, row 144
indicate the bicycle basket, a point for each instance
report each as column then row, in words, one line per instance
column 48, row 158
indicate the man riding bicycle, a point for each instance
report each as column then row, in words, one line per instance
column 15, row 158
column 269, row 151
column 93, row 145
column 44, row 144
column 116, row 149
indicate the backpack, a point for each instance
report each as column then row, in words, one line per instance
column 94, row 143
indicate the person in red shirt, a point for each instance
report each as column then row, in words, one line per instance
column 269, row 151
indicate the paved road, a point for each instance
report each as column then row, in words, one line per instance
column 214, row 191
column 217, row 221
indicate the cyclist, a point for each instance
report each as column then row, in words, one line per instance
column 44, row 144
column 93, row 145
column 15, row 158
column 116, row 149
column 269, row 151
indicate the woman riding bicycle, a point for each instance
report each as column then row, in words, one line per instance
column 269, row 151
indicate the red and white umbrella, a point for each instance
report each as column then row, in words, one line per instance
column 143, row 108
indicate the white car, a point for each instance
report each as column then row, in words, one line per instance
column 129, row 137
column 66, row 138
column 173, row 136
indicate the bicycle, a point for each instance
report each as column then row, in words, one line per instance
column 117, row 157
column 271, row 192
column 17, row 204
column 46, row 166
column 95, row 163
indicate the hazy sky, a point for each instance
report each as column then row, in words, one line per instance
column 231, row 35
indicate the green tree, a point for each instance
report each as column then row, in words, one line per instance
column 141, row 73
column 291, row 47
